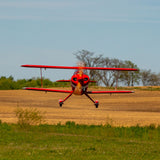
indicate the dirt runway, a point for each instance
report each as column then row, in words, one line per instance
column 141, row 107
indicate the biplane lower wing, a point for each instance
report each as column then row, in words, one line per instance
column 108, row 92
column 47, row 90
column 66, row 91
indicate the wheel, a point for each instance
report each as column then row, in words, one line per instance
column 96, row 103
column 60, row 103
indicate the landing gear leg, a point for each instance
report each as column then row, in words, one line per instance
column 96, row 103
column 62, row 101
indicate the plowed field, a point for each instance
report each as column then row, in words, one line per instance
column 141, row 107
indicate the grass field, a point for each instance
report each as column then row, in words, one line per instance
column 78, row 142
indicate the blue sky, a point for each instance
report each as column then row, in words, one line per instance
column 50, row 31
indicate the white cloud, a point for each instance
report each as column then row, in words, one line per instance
column 73, row 10
column 44, row 5
column 16, row 17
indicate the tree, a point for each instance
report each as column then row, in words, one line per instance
column 155, row 79
column 130, row 78
column 89, row 60
column 150, row 78
column 7, row 83
column 145, row 77
column 108, row 78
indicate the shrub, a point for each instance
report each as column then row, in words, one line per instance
column 28, row 116
column 152, row 126
column 70, row 124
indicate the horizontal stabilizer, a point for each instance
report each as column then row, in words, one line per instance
column 93, row 81
column 63, row 81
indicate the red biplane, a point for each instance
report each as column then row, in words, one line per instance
column 79, row 82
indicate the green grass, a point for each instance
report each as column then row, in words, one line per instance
column 78, row 142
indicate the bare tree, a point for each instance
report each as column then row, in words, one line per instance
column 90, row 61
column 145, row 77
column 108, row 78
column 130, row 78
column 155, row 79
column 150, row 78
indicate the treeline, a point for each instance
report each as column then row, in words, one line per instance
column 106, row 78
column 8, row 83
column 109, row 78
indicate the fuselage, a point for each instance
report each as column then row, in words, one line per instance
column 79, row 82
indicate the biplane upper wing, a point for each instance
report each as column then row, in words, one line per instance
column 47, row 90
column 108, row 92
column 68, row 67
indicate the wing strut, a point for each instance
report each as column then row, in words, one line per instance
column 117, row 76
column 41, row 78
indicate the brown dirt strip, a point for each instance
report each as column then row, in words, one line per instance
column 141, row 107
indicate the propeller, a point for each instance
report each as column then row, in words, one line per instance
column 81, row 65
